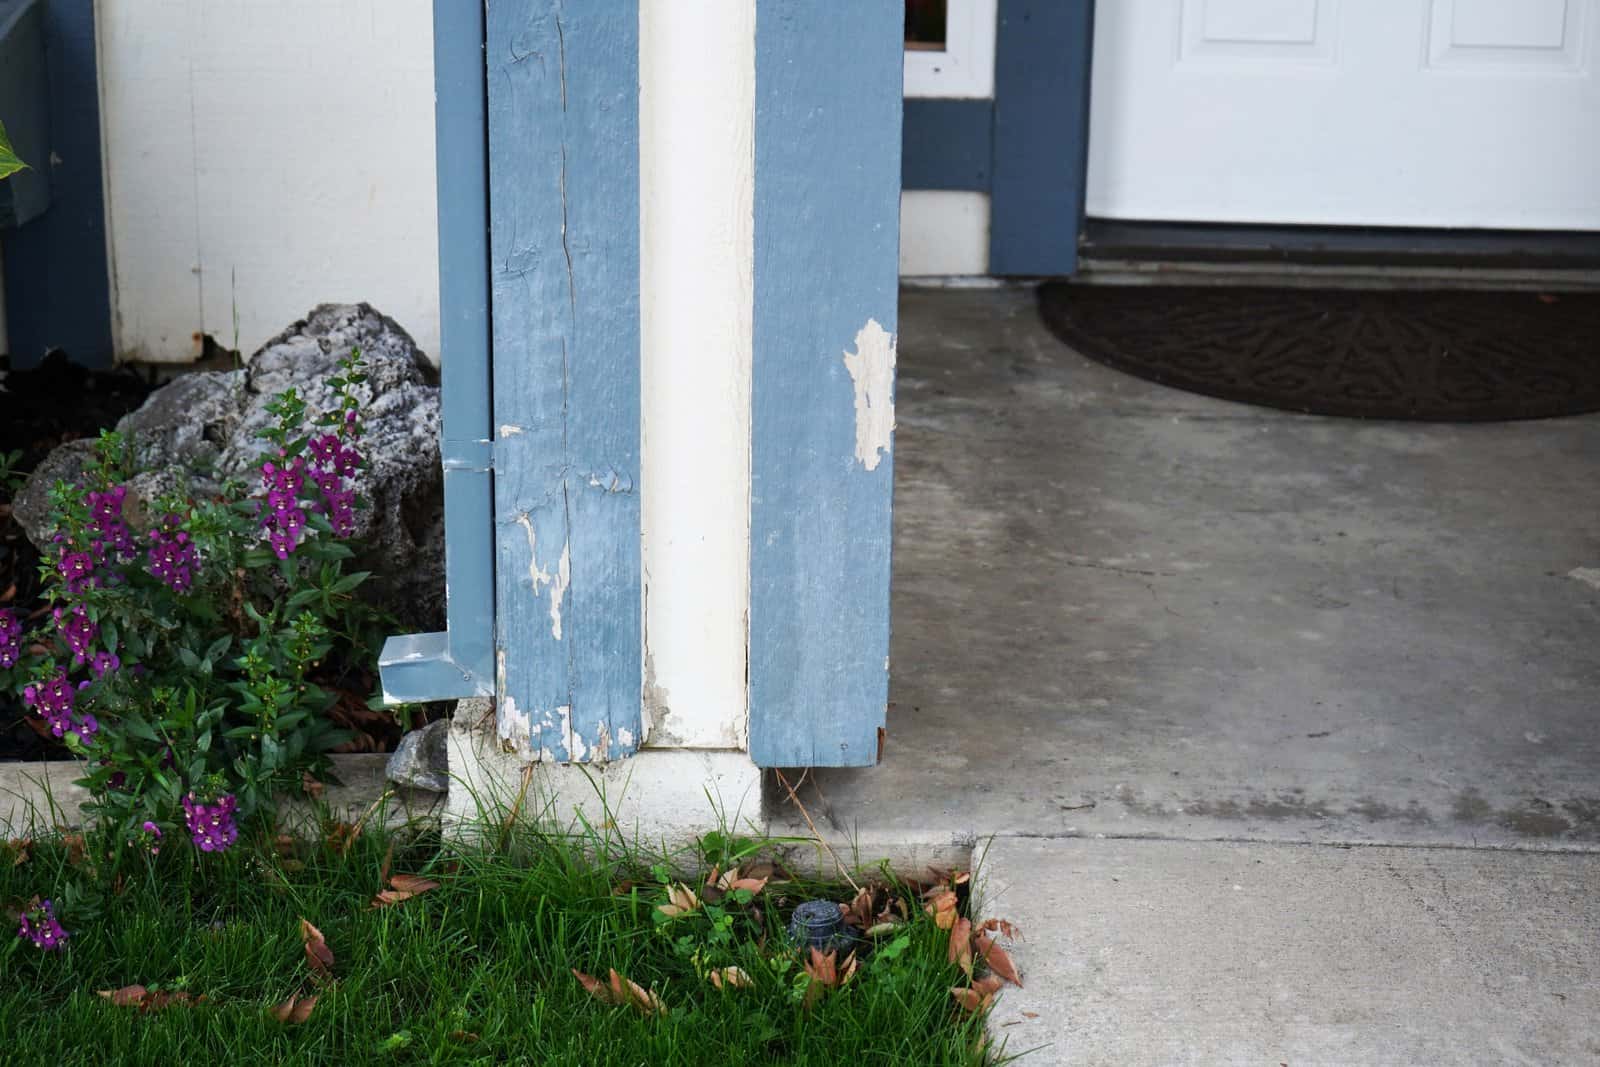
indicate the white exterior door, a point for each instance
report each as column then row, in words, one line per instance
column 1437, row 113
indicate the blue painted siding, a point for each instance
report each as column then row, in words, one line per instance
column 1041, row 135
column 827, row 187
column 57, row 287
column 460, row 662
column 564, row 252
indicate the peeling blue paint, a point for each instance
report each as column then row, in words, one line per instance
column 564, row 255
column 827, row 194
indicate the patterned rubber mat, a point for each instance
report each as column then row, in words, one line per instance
column 1438, row 356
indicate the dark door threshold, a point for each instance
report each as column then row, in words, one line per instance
column 1367, row 246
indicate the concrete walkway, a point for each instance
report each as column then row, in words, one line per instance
column 1149, row 952
column 1172, row 654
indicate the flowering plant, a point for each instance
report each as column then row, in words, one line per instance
column 189, row 643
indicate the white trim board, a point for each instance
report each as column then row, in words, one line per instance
column 965, row 69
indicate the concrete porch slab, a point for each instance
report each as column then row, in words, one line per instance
column 1124, row 610
column 1166, row 952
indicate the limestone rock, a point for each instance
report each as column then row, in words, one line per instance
column 422, row 759
column 202, row 429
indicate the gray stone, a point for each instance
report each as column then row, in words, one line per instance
column 422, row 759
column 203, row 429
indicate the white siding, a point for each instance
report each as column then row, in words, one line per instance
column 263, row 156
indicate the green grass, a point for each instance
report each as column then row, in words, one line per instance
column 475, row 971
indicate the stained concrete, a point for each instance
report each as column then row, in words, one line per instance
column 1160, row 952
column 1120, row 609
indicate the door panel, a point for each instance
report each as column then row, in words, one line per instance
column 1446, row 113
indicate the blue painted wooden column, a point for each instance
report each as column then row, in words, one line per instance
column 564, row 249
column 827, row 192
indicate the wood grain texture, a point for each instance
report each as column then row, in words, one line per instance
column 564, row 235
column 827, row 172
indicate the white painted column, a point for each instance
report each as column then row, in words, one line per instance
column 697, row 191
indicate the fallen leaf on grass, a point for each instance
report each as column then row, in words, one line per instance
column 961, row 944
column 466, row 1037
column 619, row 990
column 405, row 886
column 858, row 912
column 680, row 901
column 977, row 996
column 295, row 1010
column 731, row 978
column 942, row 906
column 318, row 954
column 827, row 973
column 149, row 1000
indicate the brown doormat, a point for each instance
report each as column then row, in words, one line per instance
column 1438, row 356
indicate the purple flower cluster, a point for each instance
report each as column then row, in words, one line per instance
column 79, row 632
column 109, row 533
column 54, row 701
column 282, row 513
column 76, row 570
column 39, row 925
column 149, row 837
column 211, row 825
column 10, row 638
column 171, row 555
column 332, row 461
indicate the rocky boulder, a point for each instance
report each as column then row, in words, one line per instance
column 201, row 430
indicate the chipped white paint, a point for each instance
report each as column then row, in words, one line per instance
column 871, row 368
column 558, row 589
column 509, row 430
column 697, row 249
column 1589, row 576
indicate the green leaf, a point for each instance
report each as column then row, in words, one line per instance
column 10, row 163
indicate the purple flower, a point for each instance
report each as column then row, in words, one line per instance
column 110, row 532
column 211, row 825
column 171, row 555
column 78, row 630
column 39, row 926
column 76, row 570
column 54, row 702
column 103, row 663
column 150, row 837
column 10, row 638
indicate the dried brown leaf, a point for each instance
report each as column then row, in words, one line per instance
column 318, row 954
column 1001, row 925
column 148, row 1000
column 129, row 996
column 295, row 1010
column 942, row 906
column 388, row 858
column 858, row 912
column 466, row 1037
column 680, row 901
column 312, row 788
column 731, row 978
column 977, row 996
column 960, row 952
column 998, row 960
